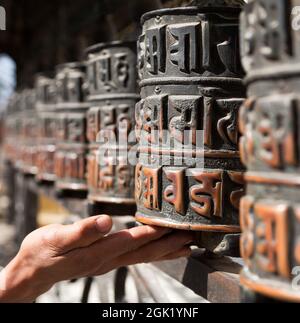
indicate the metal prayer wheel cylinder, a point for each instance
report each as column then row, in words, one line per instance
column 12, row 128
column 112, row 83
column 8, row 129
column 71, row 142
column 15, row 122
column 29, row 133
column 46, row 110
column 191, row 80
column 20, row 138
column 269, row 122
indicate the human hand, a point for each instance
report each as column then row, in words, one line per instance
column 63, row 252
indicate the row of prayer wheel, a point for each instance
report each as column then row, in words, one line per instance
column 175, row 150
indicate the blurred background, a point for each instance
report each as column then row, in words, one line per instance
column 41, row 34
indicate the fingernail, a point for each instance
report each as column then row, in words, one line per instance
column 103, row 223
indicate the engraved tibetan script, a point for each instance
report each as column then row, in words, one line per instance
column 184, row 51
column 269, row 128
column 207, row 196
column 271, row 229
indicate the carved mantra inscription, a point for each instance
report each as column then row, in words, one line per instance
column 202, row 191
column 265, row 32
column 70, row 165
column 191, row 47
column 111, row 122
column 45, row 161
column 110, row 72
column 178, row 114
column 109, row 176
column 269, row 127
column 267, row 232
column 93, row 123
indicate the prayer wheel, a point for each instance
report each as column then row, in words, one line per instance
column 29, row 133
column 269, row 122
column 189, row 174
column 112, row 87
column 46, row 110
column 71, row 141
column 12, row 128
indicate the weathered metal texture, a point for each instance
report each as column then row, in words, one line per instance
column 29, row 133
column 112, row 83
column 191, row 79
column 46, row 106
column 71, row 142
column 269, row 121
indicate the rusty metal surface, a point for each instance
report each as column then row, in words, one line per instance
column 71, row 142
column 46, row 106
column 269, row 121
column 191, row 79
column 112, row 85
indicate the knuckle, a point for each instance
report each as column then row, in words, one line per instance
column 43, row 240
column 50, row 234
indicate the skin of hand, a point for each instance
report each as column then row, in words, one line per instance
column 62, row 252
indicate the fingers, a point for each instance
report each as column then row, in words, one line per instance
column 126, row 241
column 170, row 247
column 79, row 235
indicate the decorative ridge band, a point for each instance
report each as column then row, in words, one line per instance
column 71, row 105
column 187, row 11
column 186, row 226
column 192, row 80
column 273, row 178
column 194, row 153
column 266, row 74
column 116, row 96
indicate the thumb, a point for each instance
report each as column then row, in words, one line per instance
column 80, row 234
